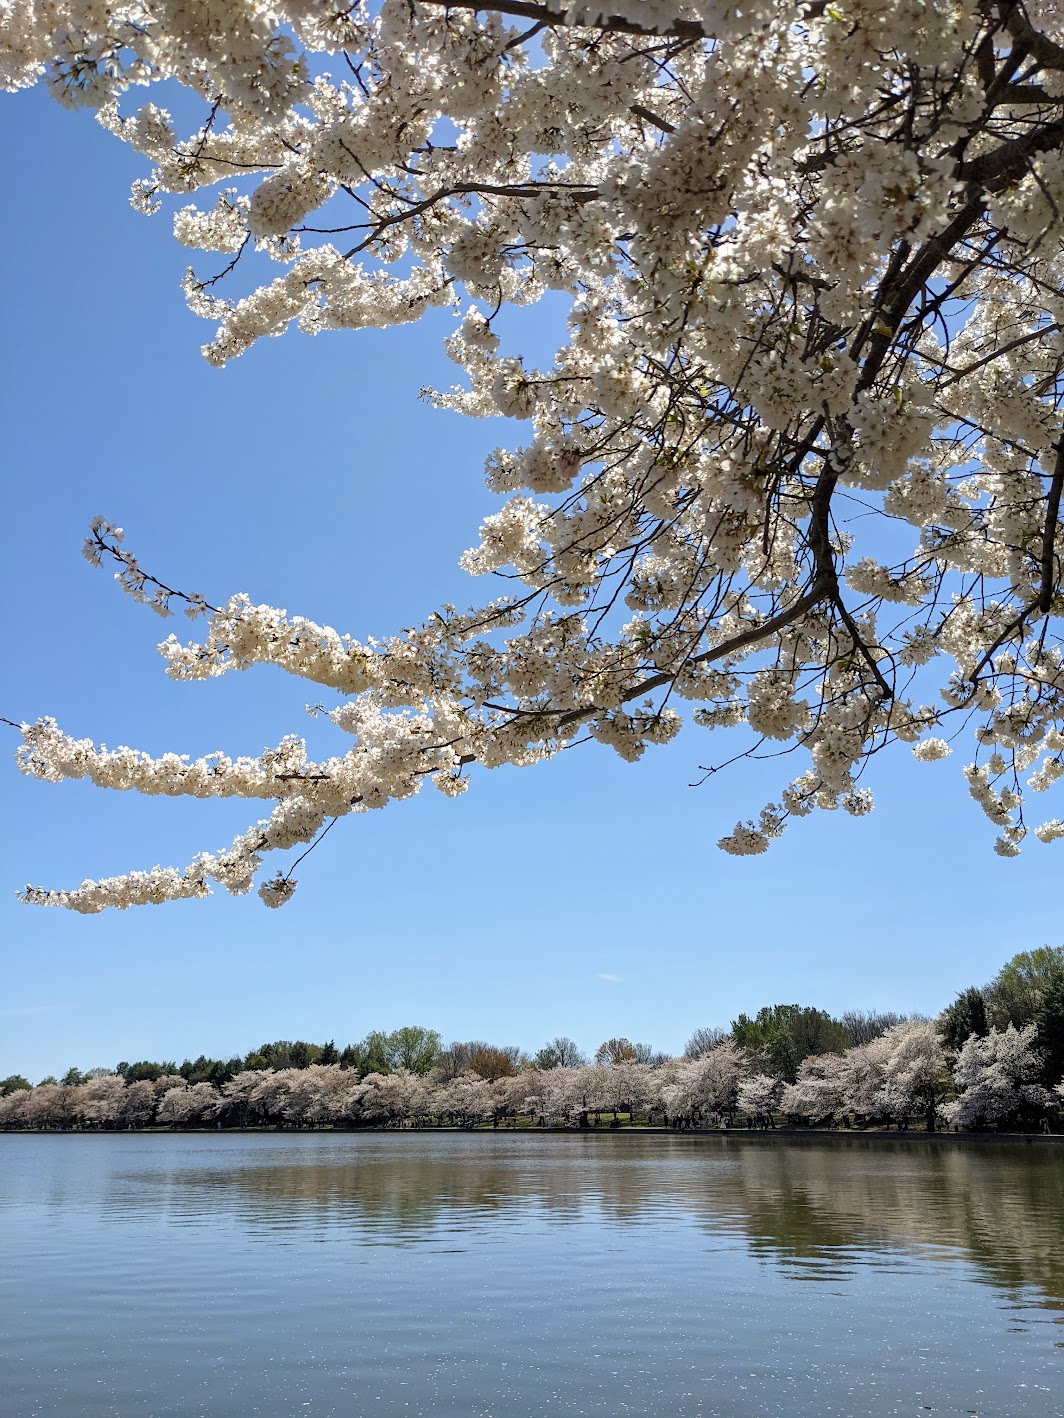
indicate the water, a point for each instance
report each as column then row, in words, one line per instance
column 392, row 1275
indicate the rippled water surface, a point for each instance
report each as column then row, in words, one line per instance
column 471, row 1274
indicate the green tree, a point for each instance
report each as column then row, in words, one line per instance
column 1016, row 991
column 283, row 1053
column 782, row 1035
column 72, row 1078
column 375, row 1055
column 413, row 1048
column 964, row 1017
column 1049, row 1021
column 13, row 1083
column 145, row 1070
column 206, row 1070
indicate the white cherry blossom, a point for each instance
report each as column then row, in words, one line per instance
column 798, row 463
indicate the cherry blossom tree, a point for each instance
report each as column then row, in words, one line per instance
column 863, row 1084
column 239, row 1100
column 316, row 1094
column 706, row 1087
column 901, row 1073
column 188, row 1104
column 269, row 1097
column 138, row 1105
column 797, row 464
column 759, row 1096
column 467, row 1100
column 995, row 1078
column 100, row 1100
column 50, row 1105
column 13, row 1107
column 911, row 1063
column 628, row 1087
column 387, row 1098
column 821, row 1091
column 521, row 1093
column 565, row 1094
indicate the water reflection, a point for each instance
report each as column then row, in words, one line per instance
column 395, row 1275
column 818, row 1208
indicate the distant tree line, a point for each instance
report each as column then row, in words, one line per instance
column 993, row 1058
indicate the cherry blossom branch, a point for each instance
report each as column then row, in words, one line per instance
column 589, row 16
column 1049, row 585
column 810, row 261
column 598, row 17
column 1050, row 582
column 105, row 540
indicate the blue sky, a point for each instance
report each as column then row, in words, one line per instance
column 585, row 897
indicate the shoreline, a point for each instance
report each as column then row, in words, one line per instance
column 759, row 1135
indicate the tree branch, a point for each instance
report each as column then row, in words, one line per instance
column 1049, row 534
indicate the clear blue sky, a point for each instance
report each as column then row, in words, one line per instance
column 585, row 897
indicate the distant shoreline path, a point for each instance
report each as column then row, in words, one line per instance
column 741, row 1134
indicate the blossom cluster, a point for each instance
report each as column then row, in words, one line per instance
column 799, row 461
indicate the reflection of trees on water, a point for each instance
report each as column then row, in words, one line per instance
column 821, row 1207
column 1001, row 1207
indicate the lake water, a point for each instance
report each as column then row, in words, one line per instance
column 391, row 1275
